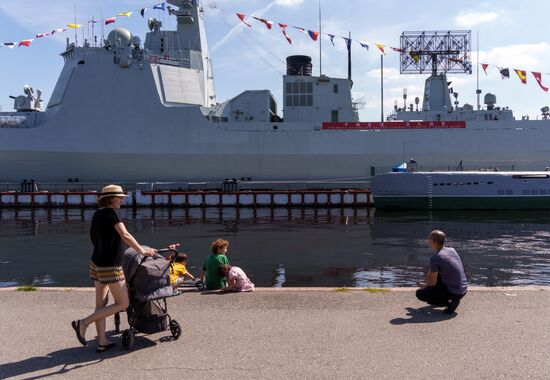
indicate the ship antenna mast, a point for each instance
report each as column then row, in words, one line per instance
column 320, row 42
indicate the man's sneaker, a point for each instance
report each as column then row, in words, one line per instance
column 452, row 306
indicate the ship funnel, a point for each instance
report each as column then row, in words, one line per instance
column 299, row 65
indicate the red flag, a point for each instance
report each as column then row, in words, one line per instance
column 484, row 66
column 267, row 23
column 241, row 17
column 286, row 36
column 40, row 35
column 396, row 49
column 522, row 74
column 283, row 25
column 538, row 77
column 26, row 42
column 110, row 20
column 313, row 35
column 301, row 29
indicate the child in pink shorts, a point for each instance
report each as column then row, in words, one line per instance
column 237, row 280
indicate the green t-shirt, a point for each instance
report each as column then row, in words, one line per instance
column 211, row 268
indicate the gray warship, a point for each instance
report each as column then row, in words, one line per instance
column 128, row 112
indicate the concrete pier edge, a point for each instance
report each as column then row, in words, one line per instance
column 311, row 289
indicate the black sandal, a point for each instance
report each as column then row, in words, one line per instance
column 76, row 327
column 102, row 348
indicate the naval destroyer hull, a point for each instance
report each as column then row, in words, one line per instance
column 123, row 113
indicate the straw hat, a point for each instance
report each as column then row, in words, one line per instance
column 112, row 191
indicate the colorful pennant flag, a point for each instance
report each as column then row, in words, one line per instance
column 538, row 78
column 331, row 36
column 125, row 14
column 283, row 29
column 484, row 67
column 381, row 47
column 142, row 12
column 415, row 56
column 110, row 20
column 10, row 45
column 522, row 74
column 366, row 46
column 241, row 17
column 301, row 29
column 267, row 23
column 504, row 73
column 26, row 42
column 60, row 30
column 161, row 6
column 313, row 35
column 74, row 26
column 40, row 35
column 396, row 49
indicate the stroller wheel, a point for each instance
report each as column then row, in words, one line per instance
column 175, row 329
column 117, row 323
column 200, row 285
column 128, row 338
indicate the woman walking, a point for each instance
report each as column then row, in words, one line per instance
column 108, row 235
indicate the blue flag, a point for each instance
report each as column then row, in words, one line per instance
column 366, row 46
column 348, row 42
column 161, row 6
column 331, row 36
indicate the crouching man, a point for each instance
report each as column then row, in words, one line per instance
column 446, row 281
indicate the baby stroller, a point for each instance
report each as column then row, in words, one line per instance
column 149, row 285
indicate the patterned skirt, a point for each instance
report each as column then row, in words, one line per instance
column 106, row 275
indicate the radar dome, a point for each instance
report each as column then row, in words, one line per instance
column 120, row 37
column 490, row 99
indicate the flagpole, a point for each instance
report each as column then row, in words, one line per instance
column 75, row 34
column 478, row 91
column 382, row 88
column 320, row 42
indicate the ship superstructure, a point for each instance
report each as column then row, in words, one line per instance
column 131, row 112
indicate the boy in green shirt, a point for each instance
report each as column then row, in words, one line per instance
column 212, row 268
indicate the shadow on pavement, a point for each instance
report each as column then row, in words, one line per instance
column 69, row 358
column 427, row 314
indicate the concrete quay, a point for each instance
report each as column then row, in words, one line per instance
column 300, row 333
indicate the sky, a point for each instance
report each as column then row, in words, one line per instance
column 511, row 34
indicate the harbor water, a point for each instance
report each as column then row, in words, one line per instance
column 289, row 247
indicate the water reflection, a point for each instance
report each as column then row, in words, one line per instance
column 290, row 247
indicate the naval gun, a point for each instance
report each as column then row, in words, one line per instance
column 28, row 102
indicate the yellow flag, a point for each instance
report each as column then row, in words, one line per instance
column 381, row 47
column 74, row 26
column 125, row 14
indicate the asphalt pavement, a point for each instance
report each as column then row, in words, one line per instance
column 497, row 333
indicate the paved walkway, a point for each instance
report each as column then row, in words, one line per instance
column 498, row 333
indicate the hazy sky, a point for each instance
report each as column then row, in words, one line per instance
column 512, row 34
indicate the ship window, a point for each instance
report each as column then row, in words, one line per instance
column 525, row 192
column 289, row 100
column 288, row 87
column 224, row 119
column 468, row 183
column 448, row 184
column 309, row 100
column 296, row 87
column 476, row 183
column 435, row 184
column 309, row 88
column 81, row 62
column 302, row 87
column 295, row 100
column 334, row 116
column 534, row 192
column 543, row 191
column 335, row 88
column 490, row 183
